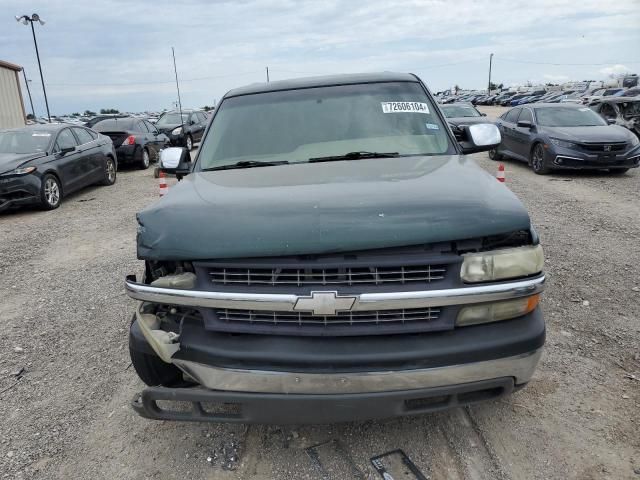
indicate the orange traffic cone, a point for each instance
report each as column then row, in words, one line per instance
column 500, row 175
column 163, row 184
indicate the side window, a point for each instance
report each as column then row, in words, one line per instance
column 525, row 116
column 83, row 135
column 65, row 140
column 607, row 111
column 512, row 115
column 141, row 127
column 150, row 127
column 93, row 134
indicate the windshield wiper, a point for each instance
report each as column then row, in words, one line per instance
column 354, row 156
column 245, row 164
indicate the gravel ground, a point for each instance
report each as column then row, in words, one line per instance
column 66, row 379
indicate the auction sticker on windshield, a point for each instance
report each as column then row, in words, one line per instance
column 404, row 107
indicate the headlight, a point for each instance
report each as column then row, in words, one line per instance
column 563, row 143
column 176, row 131
column 635, row 141
column 24, row 170
column 502, row 264
column 496, row 311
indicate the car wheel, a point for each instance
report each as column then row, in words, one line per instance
column 144, row 159
column 50, row 192
column 189, row 142
column 538, row 162
column 494, row 155
column 109, row 172
column 618, row 171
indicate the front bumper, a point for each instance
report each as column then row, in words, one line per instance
column 18, row 190
column 575, row 159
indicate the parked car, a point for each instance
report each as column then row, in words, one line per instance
column 304, row 241
column 526, row 98
column 517, row 96
column 631, row 92
column 459, row 114
column 41, row 164
column 135, row 140
column 552, row 136
column 183, row 130
column 623, row 111
column 98, row 118
column 598, row 94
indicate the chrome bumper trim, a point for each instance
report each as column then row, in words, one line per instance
column 364, row 302
column 521, row 367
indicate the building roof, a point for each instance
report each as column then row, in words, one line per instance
column 324, row 81
column 10, row 66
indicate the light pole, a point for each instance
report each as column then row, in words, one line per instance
column 489, row 86
column 26, row 82
column 25, row 19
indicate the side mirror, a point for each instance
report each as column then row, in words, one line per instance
column 175, row 160
column 480, row 137
column 64, row 151
column 483, row 114
column 525, row 124
column 611, row 121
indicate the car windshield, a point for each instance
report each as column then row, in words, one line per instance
column 568, row 117
column 296, row 125
column 172, row 119
column 454, row 111
column 26, row 141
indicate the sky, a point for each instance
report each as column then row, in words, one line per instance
column 117, row 54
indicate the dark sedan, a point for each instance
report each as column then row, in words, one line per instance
column 623, row 111
column 136, row 141
column 458, row 114
column 183, row 129
column 40, row 164
column 557, row 136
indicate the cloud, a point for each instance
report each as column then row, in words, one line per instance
column 118, row 53
column 555, row 78
column 614, row 70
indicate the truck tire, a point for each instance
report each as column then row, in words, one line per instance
column 152, row 370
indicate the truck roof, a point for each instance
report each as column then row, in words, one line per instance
column 323, row 81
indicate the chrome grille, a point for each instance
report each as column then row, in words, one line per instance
column 375, row 317
column 327, row 276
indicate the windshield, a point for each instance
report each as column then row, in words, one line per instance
column 29, row 141
column 296, row 125
column 568, row 117
column 172, row 119
column 455, row 111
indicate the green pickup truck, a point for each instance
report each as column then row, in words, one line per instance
column 332, row 254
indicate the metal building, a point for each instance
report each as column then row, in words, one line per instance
column 12, row 112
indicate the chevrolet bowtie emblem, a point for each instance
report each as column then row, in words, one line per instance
column 324, row 303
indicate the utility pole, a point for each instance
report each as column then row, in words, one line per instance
column 30, row 19
column 489, row 86
column 26, row 82
column 177, row 86
column 267, row 74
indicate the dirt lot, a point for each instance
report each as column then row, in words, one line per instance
column 65, row 315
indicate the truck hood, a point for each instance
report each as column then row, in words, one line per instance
column 11, row 161
column 327, row 207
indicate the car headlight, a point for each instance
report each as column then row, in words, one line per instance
column 502, row 264
column 563, row 143
column 176, row 131
column 24, row 170
column 496, row 311
column 635, row 141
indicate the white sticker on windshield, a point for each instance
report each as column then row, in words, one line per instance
column 404, row 107
column 40, row 134
column 432, row 126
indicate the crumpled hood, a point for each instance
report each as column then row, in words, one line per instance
column 603, row 133
column 327, row 207
column 11, row 161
